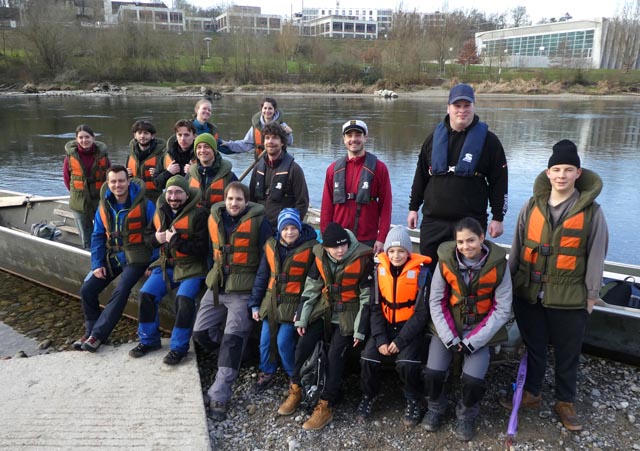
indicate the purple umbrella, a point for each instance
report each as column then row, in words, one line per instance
column 515, row 403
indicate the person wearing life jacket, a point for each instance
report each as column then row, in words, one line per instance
column 254, row 138
column 117, row 249
column 179, row 231
column 146, row 157
column 201, row 117
column 277, row 181
column 238, row 232
column 334, row 307
column 399, row 315
column 180, row 153
column 212, row 173
column 557, row 260
column 276, row 293
column 357, row 190
column 84, row 171
column 461, row 167
column 470, row 303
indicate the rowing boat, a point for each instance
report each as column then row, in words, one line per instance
column 59, row 264
column 62, row 265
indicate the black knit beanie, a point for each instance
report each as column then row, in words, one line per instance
column 334, row 235
column 564, row 152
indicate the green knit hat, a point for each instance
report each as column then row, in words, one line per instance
column 179, row 181
column 206, row 138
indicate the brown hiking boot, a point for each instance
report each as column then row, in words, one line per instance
column 321, row 415
column 528, row 401
column 568, row 416
column 293, row 400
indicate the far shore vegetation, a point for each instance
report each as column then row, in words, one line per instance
column 52, row 49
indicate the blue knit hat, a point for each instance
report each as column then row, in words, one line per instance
column 289, row 216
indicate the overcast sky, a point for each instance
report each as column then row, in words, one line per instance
column 537, row 9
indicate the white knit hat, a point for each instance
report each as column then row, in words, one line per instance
column 398, row 236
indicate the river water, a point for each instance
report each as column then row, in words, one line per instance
column 607, row 132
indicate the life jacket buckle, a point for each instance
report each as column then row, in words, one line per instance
column 536, row 277
column 470, row 301
column 282, row 278
column 338, row 307
column 226, row 249
column 351, row 196
column 469, row 319
column 334, row 289
column 545, row 250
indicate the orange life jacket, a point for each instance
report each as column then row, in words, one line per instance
column 398, row 295
column 128, row 235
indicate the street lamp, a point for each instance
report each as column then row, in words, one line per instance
column 208, row 41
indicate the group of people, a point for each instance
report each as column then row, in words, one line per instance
column 237, row 254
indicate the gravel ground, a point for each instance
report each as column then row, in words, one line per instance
column 608, row 403
column 608, row 397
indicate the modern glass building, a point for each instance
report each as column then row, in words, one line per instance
column 597, row 43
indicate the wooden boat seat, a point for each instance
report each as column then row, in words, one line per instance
column 65, row 214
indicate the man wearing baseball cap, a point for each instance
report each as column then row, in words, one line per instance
column 357, row 190
column 461, row 168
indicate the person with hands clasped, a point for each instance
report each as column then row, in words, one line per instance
column 399, row 315
column 470, row 302
column 335, row 296
column 179, row 231
column 277, row 291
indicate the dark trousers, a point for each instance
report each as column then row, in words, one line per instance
column 564, row 330
column 336, row 358
column 408, row 367
column 101, row 324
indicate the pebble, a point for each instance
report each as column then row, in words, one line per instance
column 595, row 393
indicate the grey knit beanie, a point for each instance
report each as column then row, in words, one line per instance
column 398, row 236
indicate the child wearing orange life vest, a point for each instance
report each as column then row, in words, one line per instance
column 470, row 302
column 399, row 315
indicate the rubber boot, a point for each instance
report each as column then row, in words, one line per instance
column 468, row 409
column 437, row 405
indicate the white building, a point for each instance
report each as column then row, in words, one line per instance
column 593, row 44
column 248, row 19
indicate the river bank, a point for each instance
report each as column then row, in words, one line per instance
column 608, row 396
column 508, row 88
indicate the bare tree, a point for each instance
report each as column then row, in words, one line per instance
column 519, row 16
column 288, row 41
column 48, row 26
column 627, row 23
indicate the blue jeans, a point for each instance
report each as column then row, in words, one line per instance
column 152, row 293
column 101, row 324
column 286, row 348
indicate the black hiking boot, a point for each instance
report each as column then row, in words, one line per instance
column 141, row 350
column 413, row 412
column 363, row 412
column 465, row 429
column 432, row 421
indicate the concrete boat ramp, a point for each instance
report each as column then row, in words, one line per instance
column 105, row 401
